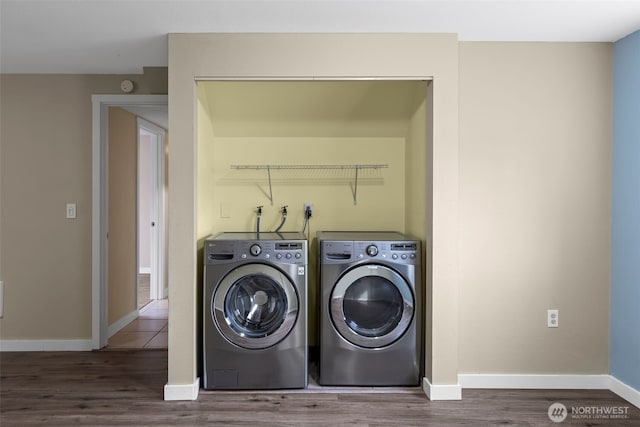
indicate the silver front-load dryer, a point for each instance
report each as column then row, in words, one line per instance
column 255, row 311
column 370, row 309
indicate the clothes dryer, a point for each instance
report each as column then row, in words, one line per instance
column 370, row 309
column 255, row 311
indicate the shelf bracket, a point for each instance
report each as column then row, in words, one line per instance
column 270, row 187
column 355, row 187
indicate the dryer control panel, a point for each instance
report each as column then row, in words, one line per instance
column 350, row 251
column 386, row 251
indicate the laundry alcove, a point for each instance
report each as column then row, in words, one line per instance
column 415, row 194
column 316, row 135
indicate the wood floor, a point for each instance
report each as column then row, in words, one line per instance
column 126, row 388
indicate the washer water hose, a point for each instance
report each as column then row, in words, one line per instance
column 284, row 218
column 258, row 219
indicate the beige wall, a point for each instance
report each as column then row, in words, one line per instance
column 535, row 178
column 45, row 138
column 123, row 179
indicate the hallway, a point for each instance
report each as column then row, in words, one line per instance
column 148, row 331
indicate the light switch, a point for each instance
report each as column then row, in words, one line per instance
column 71, row 210
column 1, row 299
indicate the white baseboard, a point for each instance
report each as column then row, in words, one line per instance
column 144, row 270
column 46, row 345
column 594, row 382
column 182, row 391
column 441, row 392
column 115, row 327
column 624, row 391
column 580, row 382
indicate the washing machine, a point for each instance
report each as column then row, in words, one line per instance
column 255, row 311
column 370, row 309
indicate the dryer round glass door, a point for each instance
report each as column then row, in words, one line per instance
column 371, row 306
column 255, row 306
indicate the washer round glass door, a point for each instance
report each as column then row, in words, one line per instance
column 371, row 306
column 255, row 306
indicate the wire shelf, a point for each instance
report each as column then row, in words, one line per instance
column 356, row 168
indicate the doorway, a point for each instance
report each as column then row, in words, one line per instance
column 135, row 238
column 139, row 105
column 145, row 291
column 150, row 207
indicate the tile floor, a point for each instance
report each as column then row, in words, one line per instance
column 149, row 330
column 144, row 290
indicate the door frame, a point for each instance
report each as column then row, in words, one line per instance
column 99, row 204
column 157, row 236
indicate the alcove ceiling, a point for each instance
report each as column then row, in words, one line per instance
column 123, row 36
column 356, row 108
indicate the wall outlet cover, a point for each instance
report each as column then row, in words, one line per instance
column 552, row 318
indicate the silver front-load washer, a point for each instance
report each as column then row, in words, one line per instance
column 255, row 311
column 370, row 309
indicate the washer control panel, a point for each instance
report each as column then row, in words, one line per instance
column 290, row 252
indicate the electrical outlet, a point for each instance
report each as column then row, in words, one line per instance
column 308, row 207
column 552, row 319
